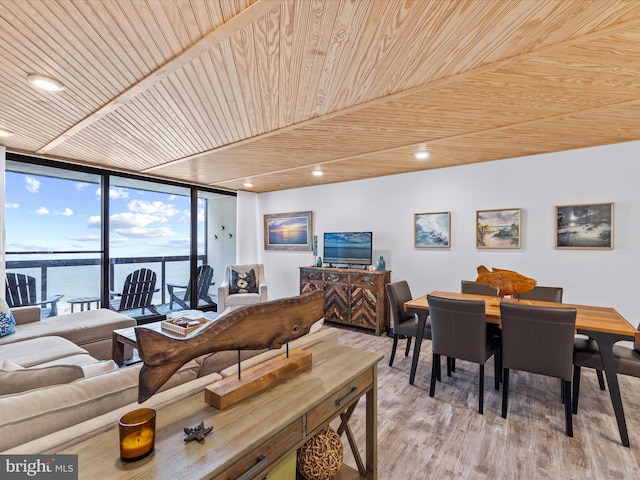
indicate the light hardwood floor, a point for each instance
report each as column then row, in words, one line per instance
column 444, row 437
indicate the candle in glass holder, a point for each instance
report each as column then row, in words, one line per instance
column 137, row 434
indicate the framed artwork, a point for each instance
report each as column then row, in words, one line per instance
column 498, row 228
column 432, row 230
column 288, row 231
column 585, row 226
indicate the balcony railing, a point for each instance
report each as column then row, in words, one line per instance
column 73, row 282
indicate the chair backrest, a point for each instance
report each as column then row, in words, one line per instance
column 546, row 294
column 398, row 294
column 458, row 328
column 138, row 289
column 469, row 286
column 20, row 290
column 204, row 279
column 538, row 339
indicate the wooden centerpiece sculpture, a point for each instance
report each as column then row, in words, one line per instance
column 506, row 282
column 264, row 325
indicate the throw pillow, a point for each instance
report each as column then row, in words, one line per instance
column 243, row 282
column 24, row 379
column 7, row 322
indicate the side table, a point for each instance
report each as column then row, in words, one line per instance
column 82, row 301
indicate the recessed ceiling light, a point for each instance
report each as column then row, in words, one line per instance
column 5, row 133
column 317, row 173
column 248, row 184
column 45, row 83
column 422, row 155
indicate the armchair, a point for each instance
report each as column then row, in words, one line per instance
column 242, row 285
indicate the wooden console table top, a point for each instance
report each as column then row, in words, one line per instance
column 272, row 424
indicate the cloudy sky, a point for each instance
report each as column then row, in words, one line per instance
column 51, row 214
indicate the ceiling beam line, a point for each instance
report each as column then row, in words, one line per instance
column 224, row 31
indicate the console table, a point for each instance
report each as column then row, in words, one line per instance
column 254, row 436
column 352, row 296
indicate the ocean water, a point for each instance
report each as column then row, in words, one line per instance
column 84, row 281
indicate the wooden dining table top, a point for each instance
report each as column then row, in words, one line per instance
column 588, row 317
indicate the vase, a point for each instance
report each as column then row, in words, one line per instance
column 380, row 264
column 319, row 262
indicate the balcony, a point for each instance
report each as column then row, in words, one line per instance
column 79, row 278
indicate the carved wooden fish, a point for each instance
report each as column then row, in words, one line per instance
column 507, row 282
column 264, row 325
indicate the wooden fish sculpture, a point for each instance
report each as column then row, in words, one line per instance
column 506, row 282
column 263, row 325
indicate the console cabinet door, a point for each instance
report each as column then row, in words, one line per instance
column 336, row 297
column 364, row 300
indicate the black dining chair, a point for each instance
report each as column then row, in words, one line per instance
column 538, row 340
column 545, row 294
column 403, row 323
column 587, row 354
column 469, row 286
column 458, row 330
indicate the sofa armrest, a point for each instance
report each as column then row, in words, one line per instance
column 27, row 314
column 263, row 292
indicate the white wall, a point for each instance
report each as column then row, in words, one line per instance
column 535, row 184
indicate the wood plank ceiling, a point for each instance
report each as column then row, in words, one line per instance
column 221, row 92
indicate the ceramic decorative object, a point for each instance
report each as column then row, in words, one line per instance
column 380, row 264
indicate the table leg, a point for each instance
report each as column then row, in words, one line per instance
column 422, row 320
column 117, row 351
column 605, row 344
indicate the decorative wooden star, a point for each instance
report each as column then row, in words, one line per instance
column 196, row 433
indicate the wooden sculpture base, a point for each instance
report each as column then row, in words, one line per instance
column 231, row 390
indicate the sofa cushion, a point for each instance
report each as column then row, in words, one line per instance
column 16, row 379
column 79, row 328
column 37, row 351
column 7, row 322
column 99, row 368
column 243, row 282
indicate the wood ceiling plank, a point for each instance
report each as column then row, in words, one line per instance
column 240, row 21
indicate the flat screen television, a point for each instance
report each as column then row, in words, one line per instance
column 350, row 248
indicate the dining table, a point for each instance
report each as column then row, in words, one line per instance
column 602, row 324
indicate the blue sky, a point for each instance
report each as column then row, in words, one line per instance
column 52, row 214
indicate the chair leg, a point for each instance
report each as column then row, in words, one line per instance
column 453, row 364
column 435, row 366
column 567, row 407
column 505, row 391
column 600, row 379
column 408, row 347
column 481, row 391
column 449, row 362
column 393, row 349
column 576, row 388
column 497, row 368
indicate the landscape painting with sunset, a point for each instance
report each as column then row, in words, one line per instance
column 288, row 231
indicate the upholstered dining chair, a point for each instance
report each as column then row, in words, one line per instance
column 242, row 285
column 538, row 340
column 545, row 294
column 469, row 286
column 586, row 353
column 403, row 323
column 458, row 330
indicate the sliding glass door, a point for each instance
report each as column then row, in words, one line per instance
column 86, row 236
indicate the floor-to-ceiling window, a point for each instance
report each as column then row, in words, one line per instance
column 52, row 228
column 80, row 232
